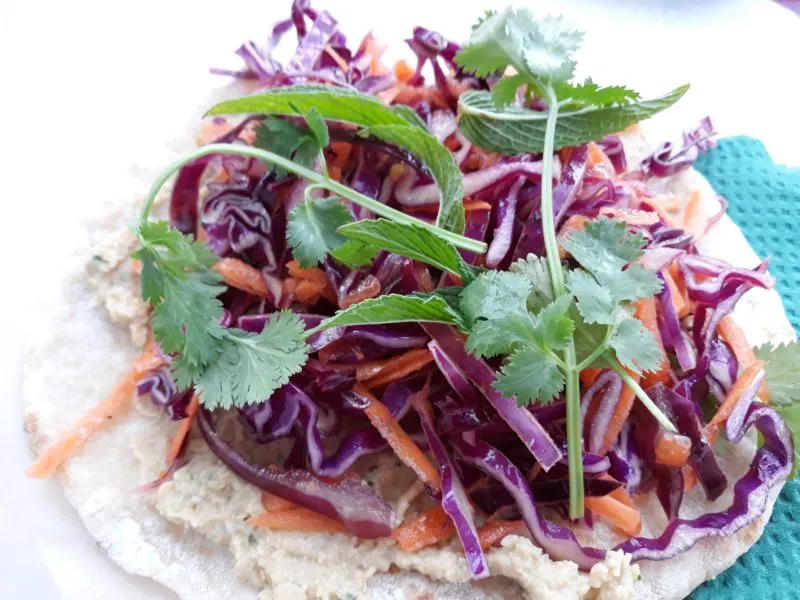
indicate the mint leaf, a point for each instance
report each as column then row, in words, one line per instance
column 493, row 294
column 635, row 346
column 354, row 254
column 250, row 367
column 412, row 241
column 530, row 375
column 514, row 130
column 394, row 308
column 394, row 125
column 312, row 227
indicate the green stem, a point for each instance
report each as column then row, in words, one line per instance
column 382, row 210
column 573, row 398
column 642, row 396
column 602, row 347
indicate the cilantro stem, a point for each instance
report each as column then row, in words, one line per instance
column 573, row 400
column 642, row 396
column 596, row 353
column 376, row 207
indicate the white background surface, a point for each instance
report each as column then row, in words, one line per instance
column 90, row 87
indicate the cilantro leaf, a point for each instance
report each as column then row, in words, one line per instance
column 250, row 367
column 354, row 254
column 535, row 269
column 317, row 127
column 500, row 335
column 505, row 90
column 288, row 140
column 782, row 367
column 530, row 375
column 635, row 346
column 493, row 294
column 394, row 125
column 395, row 308
column 594, row 302
column 604, row 244
column 554, row 327
column 312, row 227
column 514, row 130
column 589, row 93
column 411, row 241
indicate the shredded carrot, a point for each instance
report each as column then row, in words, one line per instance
column 375, row 49
column 625, row 518
column 492, row 533
column 620, row 494
column 672, row 450
column 477, row 205
column 395, row 368
column 342, row 151
column 242, row 276
column 631, row 216
column 272, row 502
column 426, row 529
column 368, row 288
column 136, row 265
column 599, row 163
column 403, row 71
column 621, row 412
column 534, row 472
column 315, row 276
column 423, row 277
column 389, row 95
column 403, row 446
column 679, row 301
column 336, row 58
column 211, row 129
column 646, row 312
column 732, row 399
column 695, row 220
column 736, row 339
column 183, row 430
column 113, row 405
column 296, row 519
column 662, row 211
column 588, row 376
column 689, row 478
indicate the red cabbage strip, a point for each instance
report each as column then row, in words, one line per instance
column 524, row 424
column 615, row 151
column 164, row 393
column 559, row 542
column 771, row 465
column 701, row 456
column 505, row 211
column 663, row 162
column 311, row 47
column 672, row 334
column 350, row 501
column 454, row 376
column 454, row 497
column 531, row 240
column 722, row 365
column 611, row 385
column 659, row 258
column 722, row 277
column 475, row 229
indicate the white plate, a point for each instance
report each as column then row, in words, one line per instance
column 90, row 87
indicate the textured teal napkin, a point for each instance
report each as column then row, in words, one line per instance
column 765, row 202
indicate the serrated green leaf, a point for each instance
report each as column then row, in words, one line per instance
column 412, row 241
column 493, row 294
column 312, row 229
column 393, row 125
column 604, row 245
column 394, row 308
column 589, row 93
column 505, row 90
column 554, row 327
column 632, row 284
column 594, row 302
column 250, row 367
column 530, row 376
column 288, row 140
column 536, row 270
column 514, row 130
column 782, row 367
column 317, row 127
column 354, row 254
column 635, row 346
column 501, row 335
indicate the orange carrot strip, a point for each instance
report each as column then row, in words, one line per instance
column 672, row 449
column 662, row 212
column 369, row 288
column 689, row 478
column 336, row 58
column 682, row 307
column 599, row 163
column 272, row 502
column 398, row 367
column 573, row 223
column 589, row 375
column 492, row 533
column 183, row 430
column 316, row 276
column 242, row 276
column 625, row 518
column 621, row 412
column 426, row 529
column 403, row 446
column 296, row 519
column 631, row 216
column 646, row 312
column 695, row 220
column 403, row 71
column 476, row 205
column 735, row 338
column 342, row 151
column 732, row 399
column 113, row 405
column 620, row 494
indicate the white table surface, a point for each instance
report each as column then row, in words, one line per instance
column 89, row 86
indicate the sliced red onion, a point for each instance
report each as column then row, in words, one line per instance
column 505, row 211
column 524, row 424
column 349, row 501
column 454, row 376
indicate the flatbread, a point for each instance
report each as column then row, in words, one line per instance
column 79, row 352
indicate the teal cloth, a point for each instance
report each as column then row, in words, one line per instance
column 764, row 200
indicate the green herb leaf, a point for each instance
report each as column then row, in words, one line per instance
column 354, row 254
column 594, row 302
column 317, row 127
column 514, row 130
column 312, row 229
column 589, row 93
column 505, row 90
column 493, row 294
column 554, row 327
column 250, row 367
column 604, row 245
column 394, row 308
column 501, row 335
column 635, row 346
column 413, row 242
column 535, row 269
column 538, row 49
column 530, row 375
column 394, row 125
column 288, row 140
